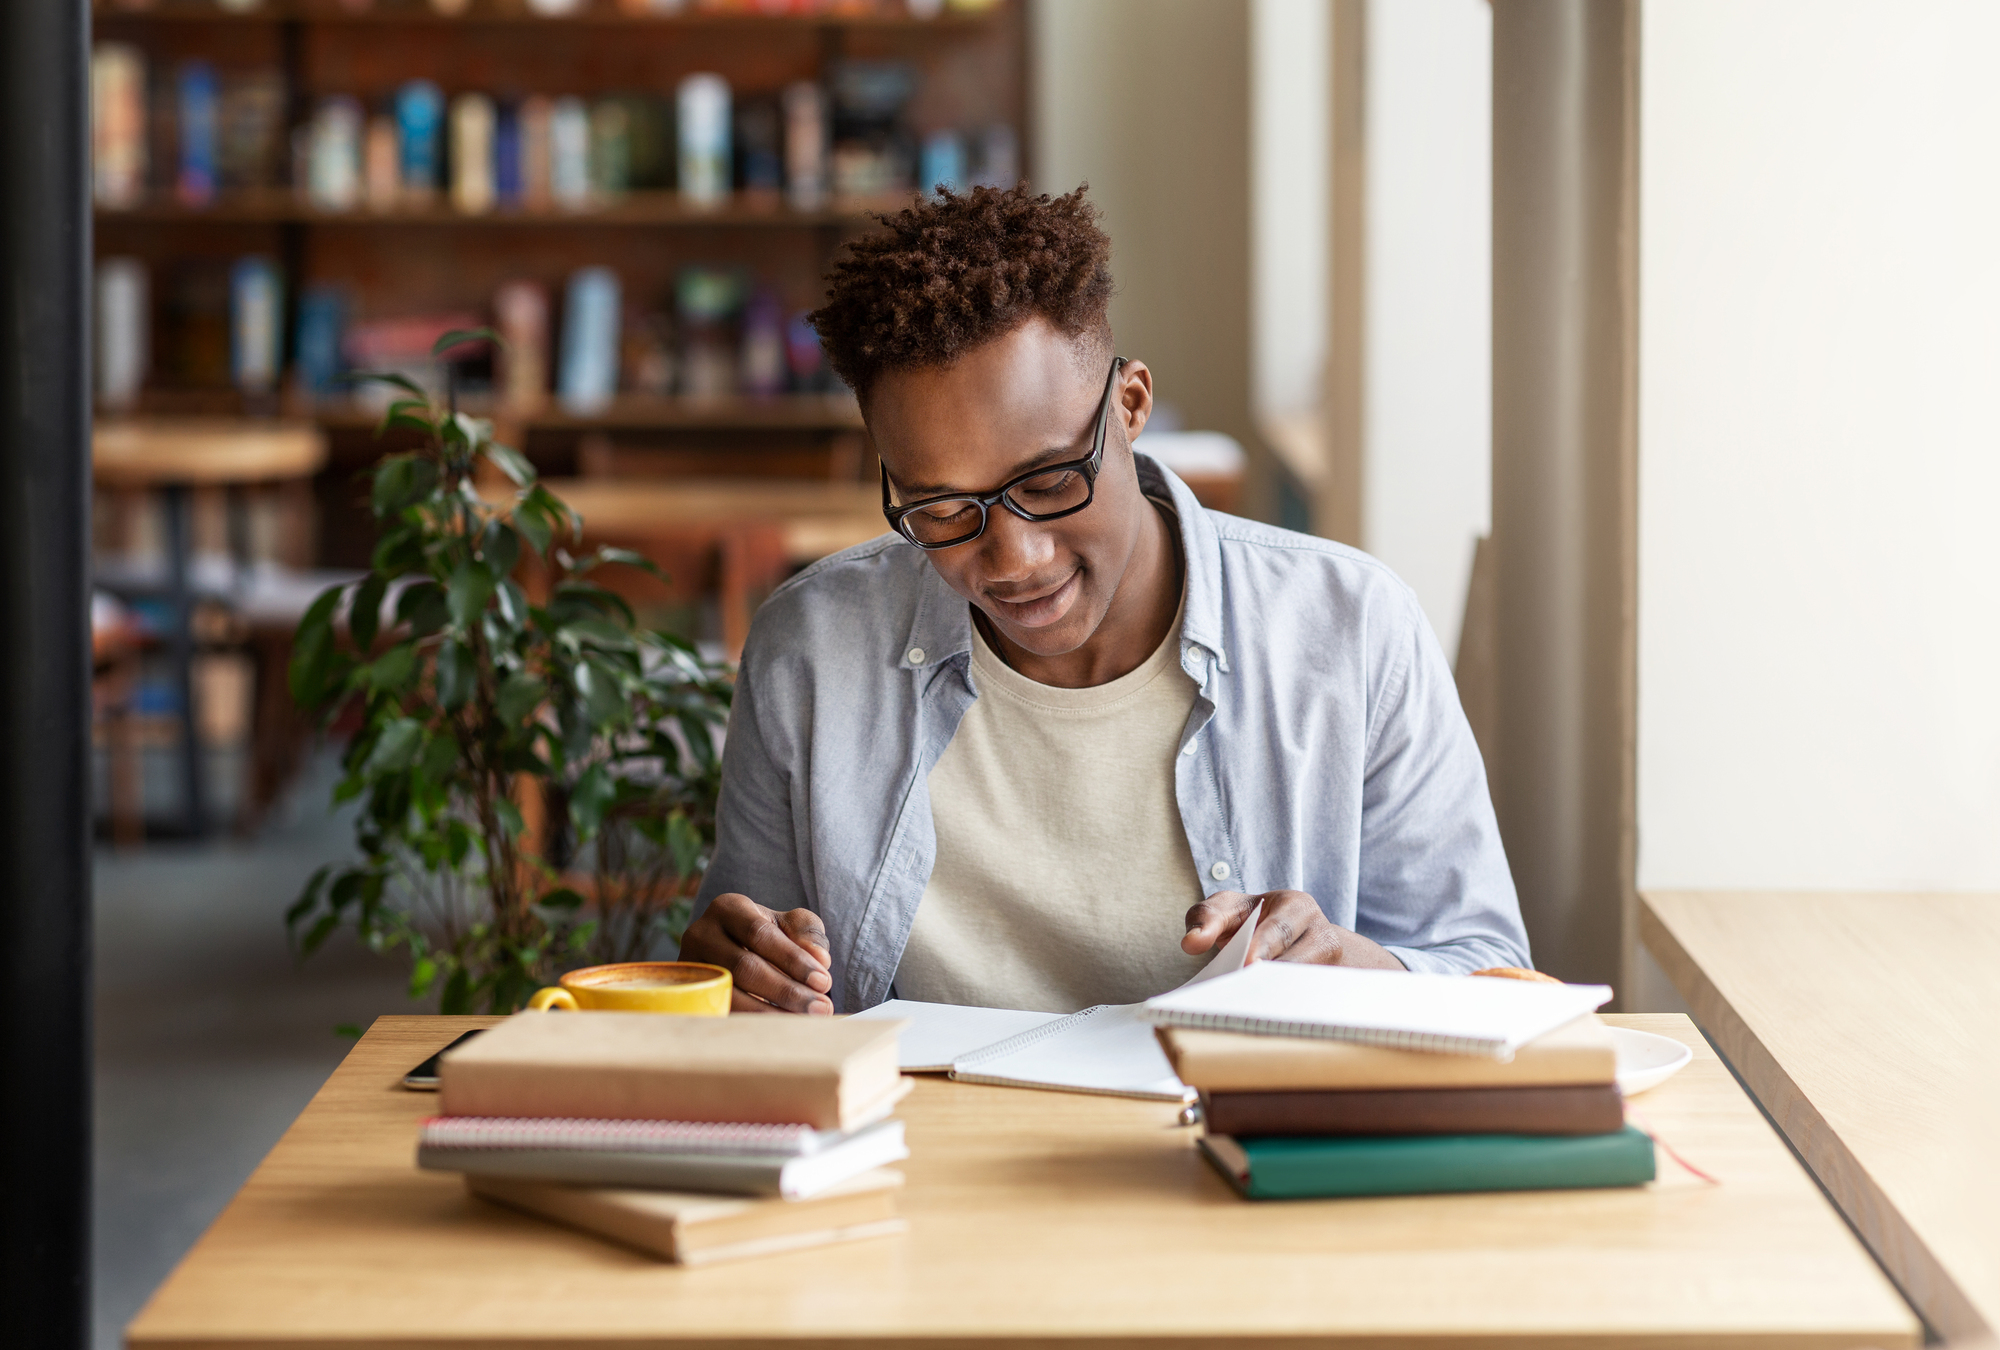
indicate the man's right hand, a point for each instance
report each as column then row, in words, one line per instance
column 777, row 961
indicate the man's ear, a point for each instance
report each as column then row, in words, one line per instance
column 1134, row 393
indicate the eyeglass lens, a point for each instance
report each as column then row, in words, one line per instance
column 960, row 518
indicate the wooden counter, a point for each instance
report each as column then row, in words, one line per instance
column 1869, row 1027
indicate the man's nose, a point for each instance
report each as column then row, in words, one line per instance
column 1014, row 550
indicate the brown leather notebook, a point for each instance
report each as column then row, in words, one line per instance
column 1593, row 1109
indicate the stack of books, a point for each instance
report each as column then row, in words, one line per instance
column 694, row 1139
column 1322, row 1081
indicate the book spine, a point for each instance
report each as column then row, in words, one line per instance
column 742, row 1175
column 1300, row 1168
column 1535, row 1110
column 563, row 1090
column 1271, row 1026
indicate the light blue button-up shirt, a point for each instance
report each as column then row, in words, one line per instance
column 1326, row 751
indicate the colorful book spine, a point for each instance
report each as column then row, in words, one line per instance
column 333, row 155
column 805, row 146
column 1598, row 1109
column 943, row 163
column 472, row 187
column 703, row 105
column 592, row 321
column 317, row 348
column 1300, row 1168
column 521, row 310
column 117, row 124
column 507, row 155
column 195, row 185
column 419, row 137
column 256, row 304
column 569, row 154
column 124, row 321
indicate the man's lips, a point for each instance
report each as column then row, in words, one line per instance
column 1038, row 611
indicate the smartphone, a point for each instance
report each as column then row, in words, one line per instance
column 424, row 1078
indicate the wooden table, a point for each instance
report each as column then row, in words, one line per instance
column 1869, row 1028
column 1043, row 1218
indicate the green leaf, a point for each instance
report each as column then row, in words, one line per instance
column 555, row 510
column 394, row 671
column 510, row 817
column 535, row 527
column 308, row 898
column 511, row 462
column 422, row 975
column 500, row 546
column 439, row 759
column 608, row 554
column 401, row 481
column 470, row 588
column 364, row 616
column 349, row 1030
column 457, row 996
column 513, row 604
column 562, row 898
column 603, row 633
column 685, row 843
column 590, row 799
column 402, row 382
column 395, row 748
column 424, row 608
column 319, row 934
column 399, row 550
column 312, row 650
column 519, row 696
column 457, row 675
column 458, row 336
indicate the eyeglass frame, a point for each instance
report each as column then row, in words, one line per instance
column 1089, row 466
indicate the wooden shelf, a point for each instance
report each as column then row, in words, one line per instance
column 483, row 13
column 639, row 412
column 281, row 206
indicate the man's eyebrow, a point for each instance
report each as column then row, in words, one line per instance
column 916, row 491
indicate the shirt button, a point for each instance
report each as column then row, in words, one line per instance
column 915, row 656
column 1220, row 871
column 1188, row 749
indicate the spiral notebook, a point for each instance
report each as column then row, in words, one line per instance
column 1399, row 1009
column 1109, row 1049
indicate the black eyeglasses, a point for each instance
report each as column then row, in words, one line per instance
column 1047, row 493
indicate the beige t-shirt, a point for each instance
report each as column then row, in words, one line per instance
column 1063, row 873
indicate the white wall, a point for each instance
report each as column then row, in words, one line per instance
column 1427, row 407
column 1291, row 123
column 1819, row 445
column 1149, row 101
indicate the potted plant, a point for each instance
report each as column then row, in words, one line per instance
column 485, row 707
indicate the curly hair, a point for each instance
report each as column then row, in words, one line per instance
column 957, row 270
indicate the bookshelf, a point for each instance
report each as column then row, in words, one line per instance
column 421, row 255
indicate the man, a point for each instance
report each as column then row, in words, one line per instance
column 1048, row 743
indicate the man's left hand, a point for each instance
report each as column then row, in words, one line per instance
column 1290, row 929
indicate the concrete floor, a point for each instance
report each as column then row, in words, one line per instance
column 210, row 1039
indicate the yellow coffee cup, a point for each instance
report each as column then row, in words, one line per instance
column 687, row 987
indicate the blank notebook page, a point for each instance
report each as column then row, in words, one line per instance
column 1378, row 1007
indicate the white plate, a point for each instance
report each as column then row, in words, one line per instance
column 1646, row 1060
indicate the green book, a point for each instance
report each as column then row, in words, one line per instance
column 1295, row 1168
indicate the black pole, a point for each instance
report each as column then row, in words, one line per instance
column 44, row 672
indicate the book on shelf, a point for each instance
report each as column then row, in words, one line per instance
column 1300, row 1168
column 1397, row 1009
column 827, row 1073
column 695, row 1230
column 792, row 1176
column 1580, row 1052
column 1596, row 1108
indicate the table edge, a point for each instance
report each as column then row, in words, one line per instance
column 1903, row 1255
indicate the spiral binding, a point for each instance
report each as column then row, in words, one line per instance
column 1021, row 1040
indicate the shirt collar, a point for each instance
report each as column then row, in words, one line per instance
column 941, row 628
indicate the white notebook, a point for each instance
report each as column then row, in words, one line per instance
column 1399, row 1009
column 1109, row 1049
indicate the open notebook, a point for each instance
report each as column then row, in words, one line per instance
column 1108, row 1049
